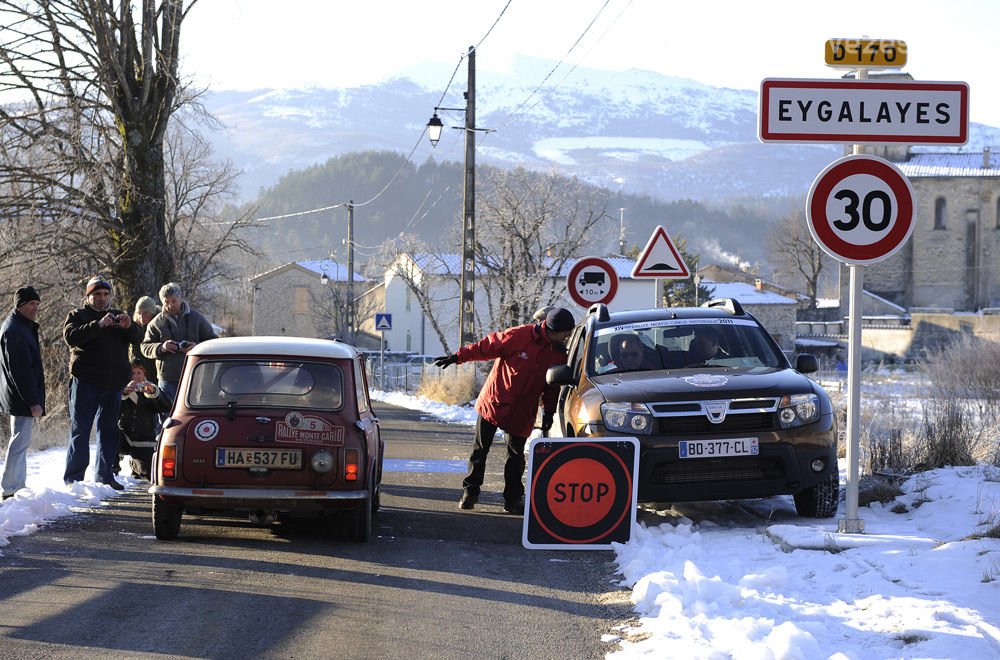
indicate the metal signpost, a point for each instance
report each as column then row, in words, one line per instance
column 660, row 258
column 860, row 208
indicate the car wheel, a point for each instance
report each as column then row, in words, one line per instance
column 820, row 501
column 166, row 519
column 360, row 526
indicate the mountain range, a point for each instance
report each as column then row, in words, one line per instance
column 636, row 132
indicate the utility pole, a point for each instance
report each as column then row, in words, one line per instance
column 350, row 272
column 621, row 232
column 467, row 307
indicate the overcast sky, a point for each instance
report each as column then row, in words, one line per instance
column 251, row 44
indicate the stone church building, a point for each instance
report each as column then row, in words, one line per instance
column 952, row 260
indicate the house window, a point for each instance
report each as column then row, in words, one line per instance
column 939, row 211
column 409, row 297
column 301, row 302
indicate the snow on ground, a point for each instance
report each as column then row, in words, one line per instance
column 749, row 579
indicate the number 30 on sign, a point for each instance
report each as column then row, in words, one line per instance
column 860, row 209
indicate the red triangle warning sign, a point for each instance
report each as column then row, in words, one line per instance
column 660, row 258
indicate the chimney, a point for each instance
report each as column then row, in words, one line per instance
column 759, row 284
column 986, row 158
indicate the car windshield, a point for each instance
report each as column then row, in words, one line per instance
column 287, row 384
column 682, row 343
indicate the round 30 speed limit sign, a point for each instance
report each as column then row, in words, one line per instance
column 860, row 209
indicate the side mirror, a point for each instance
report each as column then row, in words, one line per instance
column 806, row 363
column 561, row 374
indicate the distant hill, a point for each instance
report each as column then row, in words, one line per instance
column 634, row 132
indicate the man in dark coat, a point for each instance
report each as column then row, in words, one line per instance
column 22, row 384
column 509, row 398
column 98, row 337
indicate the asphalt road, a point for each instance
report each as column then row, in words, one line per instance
column 434, row 582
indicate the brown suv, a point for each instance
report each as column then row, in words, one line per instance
column 718, row 411
column 268, row 426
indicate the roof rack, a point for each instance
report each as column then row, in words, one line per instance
column 600, row 310
column 731, row 305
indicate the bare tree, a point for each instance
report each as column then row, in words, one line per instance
column 795, row 252
column 92, row 85
column 530, row 227
column 421, row 269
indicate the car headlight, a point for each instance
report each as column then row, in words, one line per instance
column 629, row 418
column 798, row 409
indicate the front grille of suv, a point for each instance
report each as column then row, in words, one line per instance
column 715, row 416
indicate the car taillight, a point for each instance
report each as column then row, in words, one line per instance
column 352, row 464
column 168, row 461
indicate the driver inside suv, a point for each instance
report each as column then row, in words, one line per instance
column 704, row 346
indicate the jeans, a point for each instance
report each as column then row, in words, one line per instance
column 170, row 389
column 15, row 468
column 513, row 469
column 87, row 401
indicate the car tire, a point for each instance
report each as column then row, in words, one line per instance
column 166, row 519
column 820, row 501
column 360, row 525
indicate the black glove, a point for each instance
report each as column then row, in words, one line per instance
column 445, row 361
column 546, row 423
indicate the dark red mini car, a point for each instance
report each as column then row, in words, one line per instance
column 269, row 426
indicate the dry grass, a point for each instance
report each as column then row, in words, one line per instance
column 456, row 385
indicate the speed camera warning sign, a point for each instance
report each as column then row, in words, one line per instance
column 581, row 493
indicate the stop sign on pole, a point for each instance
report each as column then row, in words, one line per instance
column 860, row 209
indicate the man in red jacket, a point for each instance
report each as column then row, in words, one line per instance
column 509, row 399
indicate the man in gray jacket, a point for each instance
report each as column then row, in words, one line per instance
column 171, row 334
column 22, row 384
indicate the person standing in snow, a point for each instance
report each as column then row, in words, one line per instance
column 98, row 337
column 22, row 384
column 509, row 398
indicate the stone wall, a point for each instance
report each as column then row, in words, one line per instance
column 955, row 266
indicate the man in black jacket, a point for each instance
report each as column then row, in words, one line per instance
column 98, row 337
column 22, row 384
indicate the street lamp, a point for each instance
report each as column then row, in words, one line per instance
column 467, row 302
column 434, row 127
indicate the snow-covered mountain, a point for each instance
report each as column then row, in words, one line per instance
column 635, row 131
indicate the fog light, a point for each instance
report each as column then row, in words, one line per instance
column 322, row 462
column 817, row 465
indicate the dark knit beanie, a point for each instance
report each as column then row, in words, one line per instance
column 559, row 320
column 97, row 282
column 25, row 295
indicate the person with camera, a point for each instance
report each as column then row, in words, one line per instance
column 142, row 403
column 171, row 334
column 98, row 336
